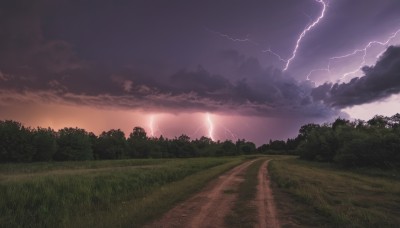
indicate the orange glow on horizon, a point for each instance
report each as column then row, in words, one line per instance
column 169, row 125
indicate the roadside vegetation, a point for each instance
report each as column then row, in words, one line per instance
column 115, row 193
column 310, row 194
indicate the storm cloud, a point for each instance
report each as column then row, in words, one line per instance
column 35, row 68
column 263, row 92
column 379, row 82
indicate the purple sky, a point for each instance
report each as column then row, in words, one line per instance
column 210, row 67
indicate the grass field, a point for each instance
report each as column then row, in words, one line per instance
column 322, row 195
column 124, row 193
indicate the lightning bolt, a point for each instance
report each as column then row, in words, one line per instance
column 233, row 136
column 151, row 125
column 275, row 54
column 210, row 125
column 363, row 51
column 247, row 39
column 303, row 34
column 315, row 70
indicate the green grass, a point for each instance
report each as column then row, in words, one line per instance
column 318, row 194
column 112, row 193
column 244, row 212
column 45, row 167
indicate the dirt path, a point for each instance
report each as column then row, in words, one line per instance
column 208, row 207
column 265, row 201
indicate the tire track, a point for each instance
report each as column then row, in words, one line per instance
column 267, row 216
column 207, row 208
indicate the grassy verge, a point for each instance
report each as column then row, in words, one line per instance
column 315, row 194
column 108, row 198
column 244, row 212
column 45, row 167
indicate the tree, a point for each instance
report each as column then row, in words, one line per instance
column 305, row 131
column 93, row 142
column 279, row 145
column 111, row 145
column 229, row 148
column 204, row 146
column 394, row 121
column 321, row 145
column 340, row 122
column 138, row 144
column 244, row 147
column 45, row 144
column 291, row 145
column 15, row 142
column 183, row 147
column 184, row 139
column 203, row 142
column 155, row 147
column 163, row 146
column 73, row 144
column 138, row 133
column 378, row 121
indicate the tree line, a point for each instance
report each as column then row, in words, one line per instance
column 375, row 142
column 23, row 144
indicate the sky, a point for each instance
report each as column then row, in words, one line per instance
column 233, row 69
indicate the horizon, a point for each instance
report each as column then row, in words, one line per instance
column 244, row 70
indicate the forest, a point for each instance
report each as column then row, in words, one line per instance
column 22, row 144
column 375, row 142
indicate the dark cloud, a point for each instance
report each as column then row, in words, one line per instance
column 53, row 71
column 347, row 25
column 199, row 81
column 259, row 91
column 379, row 82
column 112, row 55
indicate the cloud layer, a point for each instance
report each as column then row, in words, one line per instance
column 39, row 63
column 52, row 72
column 379, row 82
column 34, row 68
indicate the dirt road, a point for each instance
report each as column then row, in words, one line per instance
column 265, row 201
column 209, row 207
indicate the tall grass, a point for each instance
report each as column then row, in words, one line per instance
column 37, row 167
column 62, row 199
column 322, row 195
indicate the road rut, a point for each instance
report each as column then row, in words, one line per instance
column 209, row 207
